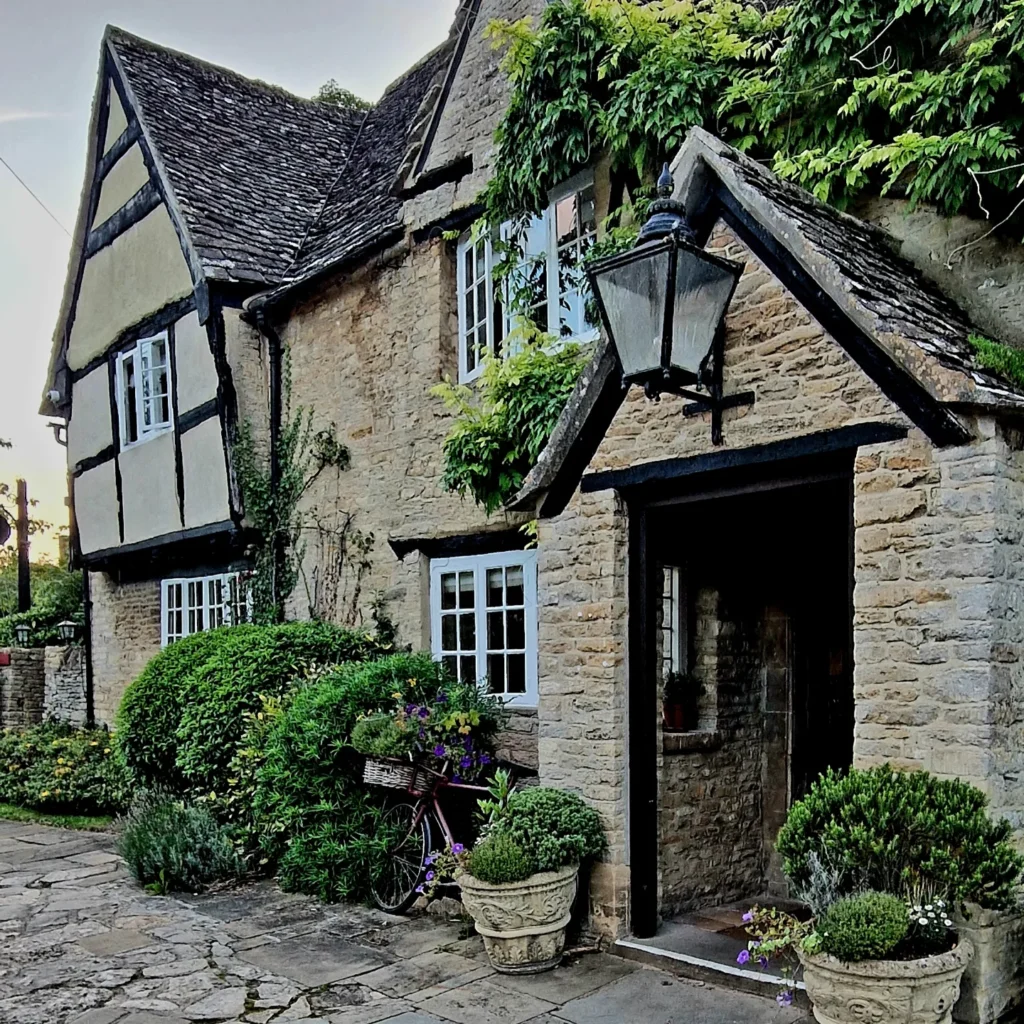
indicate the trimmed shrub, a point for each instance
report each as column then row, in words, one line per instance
column 382, row 736
column 893, row 830
column 552, row 827
column 182, row 719
column 60, row 769
column 150, row 711
column 864, row 927
column 170, row 846
column 498, row 860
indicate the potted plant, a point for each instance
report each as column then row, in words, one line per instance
column 519, row 880
column 682, row 690
column 882, row 858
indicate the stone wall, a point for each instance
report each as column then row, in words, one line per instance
column 21, row 687
column 64, row 685
column 125, row 635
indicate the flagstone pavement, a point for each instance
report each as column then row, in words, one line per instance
column 80, row 943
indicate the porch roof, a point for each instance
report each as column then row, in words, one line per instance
column 909, row 337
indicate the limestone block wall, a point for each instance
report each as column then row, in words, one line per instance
column 21, row 687
column 64, row 684
column 125, row 635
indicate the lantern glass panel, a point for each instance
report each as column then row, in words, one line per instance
column 703, row 291
column 633, row 295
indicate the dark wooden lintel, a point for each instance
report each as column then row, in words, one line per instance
column 102, row 456
column 484, row 543
column 200, row 414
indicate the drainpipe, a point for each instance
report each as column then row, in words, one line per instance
column 90, row 704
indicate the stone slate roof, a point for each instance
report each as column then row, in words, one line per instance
column 360, row 205
column 271, row 186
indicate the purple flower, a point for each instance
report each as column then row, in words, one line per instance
column 428, row 860
column 485, row 759
column 468, row 743
column 785, row 998
column 430, row 876
column 439, row 750
column 748, row 917
column 424, row 712
column 423, row 734
column 456, row 779
column 466, row 762
column 763, row 961
column 442, row 698
column 410, row 708
column 458, row 848
column 419, row 888
column 744, row 957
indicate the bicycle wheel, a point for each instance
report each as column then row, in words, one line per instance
column 394, row 882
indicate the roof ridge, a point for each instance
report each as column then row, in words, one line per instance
column 115, row 33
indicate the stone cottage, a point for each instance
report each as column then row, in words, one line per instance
column 837, row 582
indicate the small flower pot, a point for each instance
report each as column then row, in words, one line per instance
column 886, row 991
column 522, row 923
column 675, row 717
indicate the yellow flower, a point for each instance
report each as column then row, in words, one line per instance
column 45, row 793
column 396, row 695
column 412, row 682
column 60, row 760
column 106, row 750
column 94, row 743
column 465, row 730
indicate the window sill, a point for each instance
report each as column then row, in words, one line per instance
column 691, row 742
column 127, row 446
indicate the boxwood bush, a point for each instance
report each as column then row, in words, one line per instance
column 182, row 719
column 895, row 831
column 868, row 926
column 60, row 769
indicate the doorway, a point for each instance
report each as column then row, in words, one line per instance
column 752, row 622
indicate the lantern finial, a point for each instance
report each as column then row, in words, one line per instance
column 666, row 183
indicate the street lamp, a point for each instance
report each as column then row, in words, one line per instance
column 66, row 630
column 21, row 632
column 662, row 304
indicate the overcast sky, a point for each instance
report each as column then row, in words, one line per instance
column 49, row 53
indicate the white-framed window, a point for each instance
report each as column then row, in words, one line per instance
column 483, row 612
column 144, row 390
column 548, row 281
column 672, row 640
column 193, row 604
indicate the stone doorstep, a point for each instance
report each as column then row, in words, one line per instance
column 696, row 968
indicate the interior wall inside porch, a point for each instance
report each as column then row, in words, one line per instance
column 766, row 599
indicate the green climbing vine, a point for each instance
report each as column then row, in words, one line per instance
column 274, row 510
column 917, row 97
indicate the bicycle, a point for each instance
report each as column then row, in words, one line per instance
column 396, row 882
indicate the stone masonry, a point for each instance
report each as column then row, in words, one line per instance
column 21, row 687
column 64, row 684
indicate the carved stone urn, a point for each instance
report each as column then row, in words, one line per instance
column 522, row 923
column 886, row 991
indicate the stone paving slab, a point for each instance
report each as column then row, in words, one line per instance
column 81, row 943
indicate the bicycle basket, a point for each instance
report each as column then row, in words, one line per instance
column 396, row 774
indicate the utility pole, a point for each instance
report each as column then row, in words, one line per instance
column 24, row 585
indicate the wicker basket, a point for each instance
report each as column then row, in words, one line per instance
column 396, row 774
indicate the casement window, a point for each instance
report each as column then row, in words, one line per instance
column 143, row 390
column 195, row 604
column 548, row 283
column 672, row 635
column 483, row 611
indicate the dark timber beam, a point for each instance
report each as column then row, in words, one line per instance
column 139, row 206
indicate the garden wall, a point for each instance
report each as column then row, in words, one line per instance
column 42, row 683
column 64, row 684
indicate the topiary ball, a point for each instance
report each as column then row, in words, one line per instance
column 864, row 927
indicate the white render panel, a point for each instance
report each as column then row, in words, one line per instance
column 116, row 119
column 90, row 429
column 124, row 179
column 205, row 474
column 96, row 508
column 139, row 273
column 197, row 372
column 149, row 493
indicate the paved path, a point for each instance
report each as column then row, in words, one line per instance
column 80, row 943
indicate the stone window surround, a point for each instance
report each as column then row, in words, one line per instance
column 479, row 565
column 140, row 352
column 177, row 596
column 496, row 322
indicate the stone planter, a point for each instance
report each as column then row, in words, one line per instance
column 886, row 991
column 523, row 924
column 993, row 983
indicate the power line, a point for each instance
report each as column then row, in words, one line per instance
column 21, row 181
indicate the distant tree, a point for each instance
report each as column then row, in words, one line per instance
column 338, row 96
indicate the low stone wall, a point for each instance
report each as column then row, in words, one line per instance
column 21, row 686
column 64, row 684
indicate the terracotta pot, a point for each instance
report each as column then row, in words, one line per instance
column 675, row 717
column 522, row 923
column 886, row 991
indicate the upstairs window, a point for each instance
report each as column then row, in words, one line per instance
column 203, row 602
column 547, row 284
column 484, row 621
column 143, row 386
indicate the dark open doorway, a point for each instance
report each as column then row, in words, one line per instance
column 748, row 596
